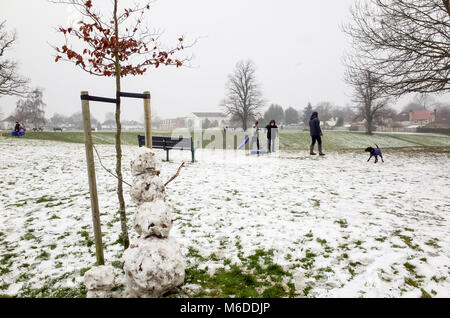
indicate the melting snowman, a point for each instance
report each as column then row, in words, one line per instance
column 153, row 264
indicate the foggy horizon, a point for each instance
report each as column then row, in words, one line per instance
column 297, row 48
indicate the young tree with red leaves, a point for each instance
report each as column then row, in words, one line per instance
column 115, row 46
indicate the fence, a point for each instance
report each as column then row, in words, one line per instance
column 396, row 129
column 445, row 131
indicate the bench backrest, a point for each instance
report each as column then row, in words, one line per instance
column 167, row 142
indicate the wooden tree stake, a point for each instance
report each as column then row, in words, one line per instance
column 148, row 122
column 92, row 180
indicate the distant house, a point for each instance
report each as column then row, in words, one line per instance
column 402, row 118
column 8, row 123
column 195, row 120
column 360, row 126
column 171, row 124
column 422, row 117
column 132, row 125
column 330, row 123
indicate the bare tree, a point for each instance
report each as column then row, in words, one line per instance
column 385, row 116
column 443, row 112
column 31, row 109
column 109, row 116
column 76, row 121
column 406, row 44
column 244, row 98
column 11, row 83
column 57, row 120
column 275, row 112
column 291, row 116
column 368, row 96
column 424, row 100
column 325, row 110
column 306, row 114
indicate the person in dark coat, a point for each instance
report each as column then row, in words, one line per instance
column 272, row 134
column 316, row 134
column 17, row 129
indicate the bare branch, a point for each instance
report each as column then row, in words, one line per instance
column 404, row 43
column 176, row 175
column 11, row 83
column 108, row 170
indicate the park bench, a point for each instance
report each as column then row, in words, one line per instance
column 168, row 143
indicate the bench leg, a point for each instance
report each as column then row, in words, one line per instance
column 167, row 155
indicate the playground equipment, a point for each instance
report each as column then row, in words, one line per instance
column 85, row 98
column 17, row 134
column 243, row 143
column 258, row 152
column 253, row 152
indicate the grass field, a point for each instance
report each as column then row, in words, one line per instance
column 289, row 140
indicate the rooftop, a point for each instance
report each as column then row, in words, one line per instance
column 8, row 119
column 421, row 114
column 209, row 115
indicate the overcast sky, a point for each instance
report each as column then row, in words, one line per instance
column 296, row 45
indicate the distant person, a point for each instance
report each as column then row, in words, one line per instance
column 255, row 137
column 17, row 129
column 272, row 134
column 316, row 134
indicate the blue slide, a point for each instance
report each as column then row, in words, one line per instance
column 17, row 134
column 257, row 152
column 244, row 143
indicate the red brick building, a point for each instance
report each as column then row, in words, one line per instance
column 422, row 117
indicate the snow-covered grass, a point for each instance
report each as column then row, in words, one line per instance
column 282, row 225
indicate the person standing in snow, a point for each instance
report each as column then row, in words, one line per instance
column 272, row 134
column 316, row 134
column 255, row 137
column 17, row 128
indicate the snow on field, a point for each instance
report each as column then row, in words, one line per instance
column 341, row 227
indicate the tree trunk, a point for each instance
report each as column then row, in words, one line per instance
column 244, row 121
column 122, row 212
column 369, row 125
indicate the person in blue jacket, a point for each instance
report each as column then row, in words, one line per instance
column 316, row 134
